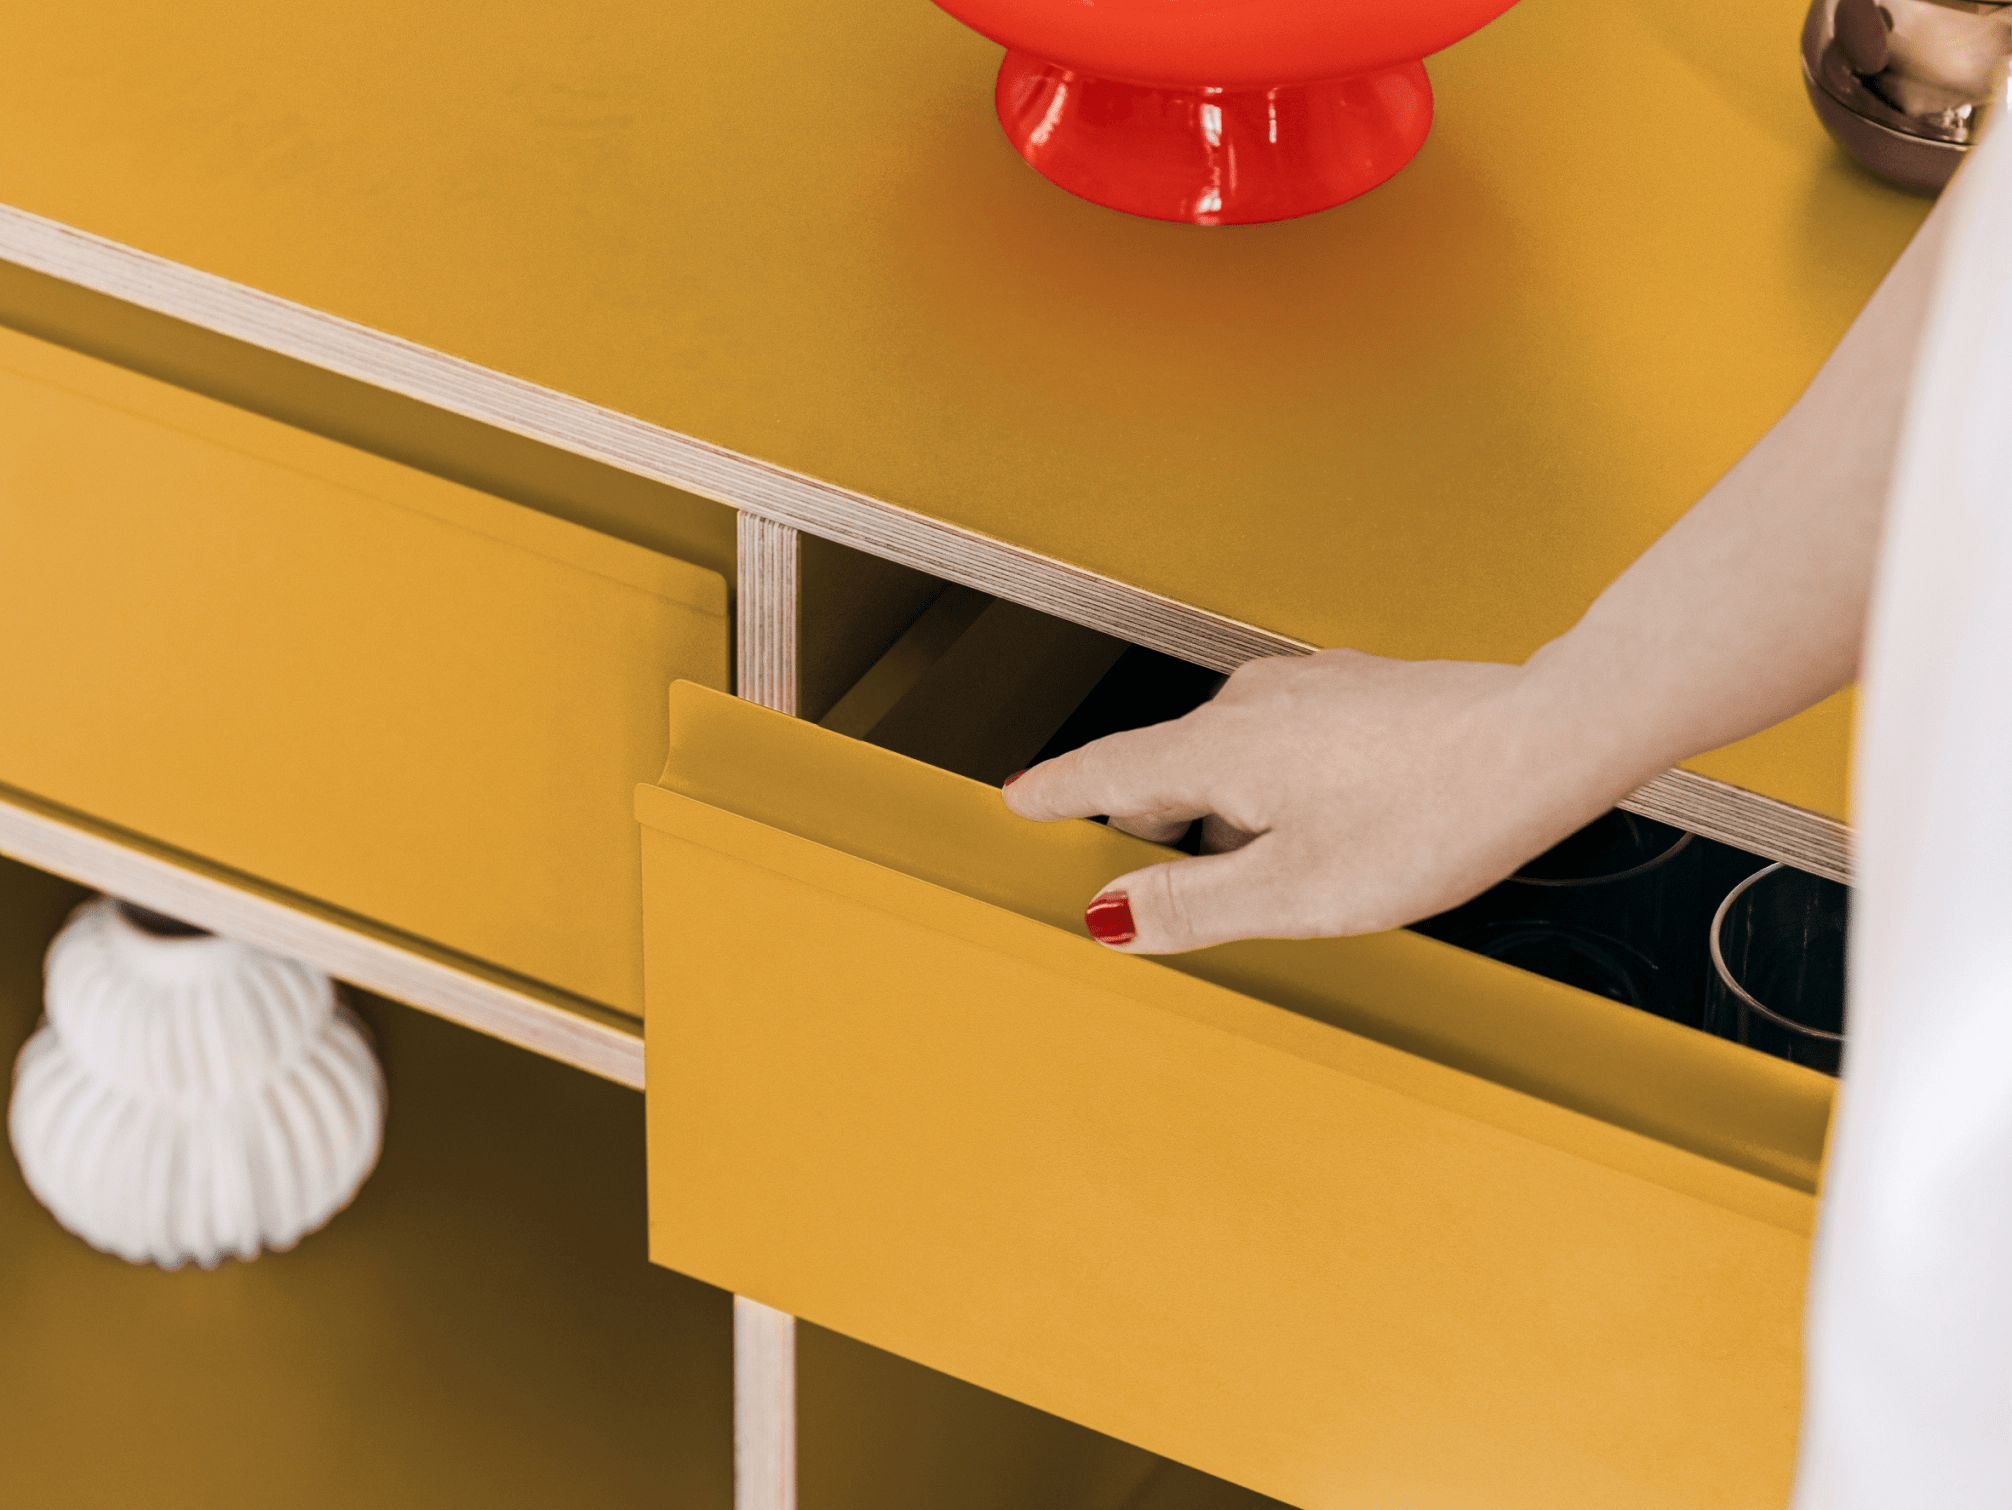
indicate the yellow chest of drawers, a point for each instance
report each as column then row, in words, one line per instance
column 1371, row 1226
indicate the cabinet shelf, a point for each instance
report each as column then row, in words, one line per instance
column 479, row 1328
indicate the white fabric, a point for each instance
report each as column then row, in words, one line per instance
column 1909, row 1384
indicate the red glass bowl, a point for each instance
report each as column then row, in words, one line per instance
column 1218, row 112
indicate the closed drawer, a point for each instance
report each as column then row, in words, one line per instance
column 1441, row 1234
column 401, row 697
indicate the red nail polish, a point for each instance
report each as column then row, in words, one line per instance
column 1109, row 918
column 1011, row 779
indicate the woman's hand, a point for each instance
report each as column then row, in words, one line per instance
column 1379, row 792
column 1349, row 793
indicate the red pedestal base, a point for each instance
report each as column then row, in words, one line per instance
column 1213, row 156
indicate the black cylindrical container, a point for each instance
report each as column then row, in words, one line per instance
column 1613, row 910
column 1777, row 946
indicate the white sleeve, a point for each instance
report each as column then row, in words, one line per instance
column 1908, row 1399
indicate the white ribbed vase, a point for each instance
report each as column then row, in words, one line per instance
column 191, row 1097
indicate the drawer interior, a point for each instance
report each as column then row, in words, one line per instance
column 1630, row 1008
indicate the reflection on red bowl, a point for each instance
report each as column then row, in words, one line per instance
column 1218, row 112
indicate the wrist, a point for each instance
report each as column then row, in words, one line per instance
column 1588, row 725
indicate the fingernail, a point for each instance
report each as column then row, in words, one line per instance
column 1011, row 779
column 1109, row 918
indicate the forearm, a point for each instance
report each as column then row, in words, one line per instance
column 1374, row 792
column 1752, row 606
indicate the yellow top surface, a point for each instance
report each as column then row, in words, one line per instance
column 1434, row 421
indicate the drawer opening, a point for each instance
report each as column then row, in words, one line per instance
column 1625, row 909
column 984, row 688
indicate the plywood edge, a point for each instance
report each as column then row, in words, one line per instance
column 1747, row 820
column 768, row 587
column 534, row 1017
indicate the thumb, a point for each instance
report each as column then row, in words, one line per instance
column 1190, row 904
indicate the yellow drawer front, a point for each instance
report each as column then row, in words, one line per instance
column 409, row 700
column 1309, row 1262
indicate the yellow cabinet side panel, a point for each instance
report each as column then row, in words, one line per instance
column 397, row 695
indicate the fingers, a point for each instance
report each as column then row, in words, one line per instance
column 1146, row 776
column 1190, row 904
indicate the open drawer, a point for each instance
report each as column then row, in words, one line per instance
column 401, row 697
column 1369, row 1222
